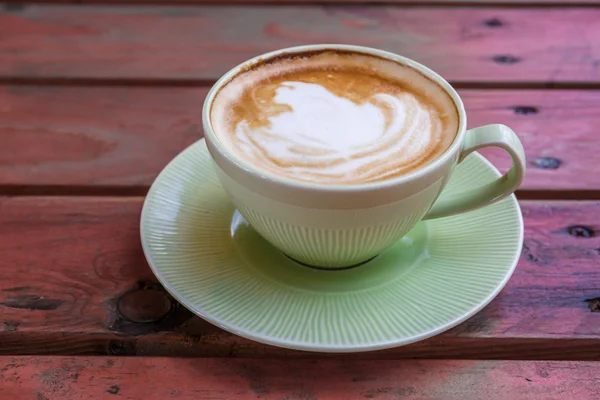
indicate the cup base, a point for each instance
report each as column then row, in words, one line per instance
column 343, row 268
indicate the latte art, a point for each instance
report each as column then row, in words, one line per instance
column 325, row 138
column 332, row 125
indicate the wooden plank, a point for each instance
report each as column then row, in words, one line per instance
column 557, row 129
column 81, row 138
column 66, row 262
column 94, row 135
column 171, row 378
column 200, row 43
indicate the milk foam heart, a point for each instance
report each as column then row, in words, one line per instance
column 335, row 119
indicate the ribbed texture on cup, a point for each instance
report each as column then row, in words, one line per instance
column 328, row 248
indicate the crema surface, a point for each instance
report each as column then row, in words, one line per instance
column 334, row 118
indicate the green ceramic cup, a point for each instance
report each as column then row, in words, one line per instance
column 340, row 226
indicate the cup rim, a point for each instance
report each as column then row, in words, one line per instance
column 229, row 155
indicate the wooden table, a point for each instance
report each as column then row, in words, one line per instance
column 96, row 98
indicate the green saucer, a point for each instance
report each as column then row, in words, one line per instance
column 209, row 258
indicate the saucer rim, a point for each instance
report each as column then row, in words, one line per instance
column 286, row 344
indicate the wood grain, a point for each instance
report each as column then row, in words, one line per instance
column 169, row 378
column 116, row 139
column 94, row 135
column 542, row 45
column 66, row 262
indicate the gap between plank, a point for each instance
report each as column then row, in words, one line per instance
column 73, row 190
column 328, row 3
column 137, row 191
column 166, row 82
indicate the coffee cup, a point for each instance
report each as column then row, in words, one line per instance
column 332, row 225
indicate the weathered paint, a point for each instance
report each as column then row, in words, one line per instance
column 172, row 378
column 116, row 139
column 66, row 263
column 173, row 43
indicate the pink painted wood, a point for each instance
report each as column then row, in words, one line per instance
column 200, row 43
column 171, row 378
column 65, row 262
column 89, row 138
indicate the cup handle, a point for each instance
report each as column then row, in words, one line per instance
column 490, row 135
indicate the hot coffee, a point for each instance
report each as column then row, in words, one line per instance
column 334, row 117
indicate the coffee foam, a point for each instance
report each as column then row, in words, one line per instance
column 334, row 118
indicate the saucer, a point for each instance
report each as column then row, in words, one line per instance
column 212, row 261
